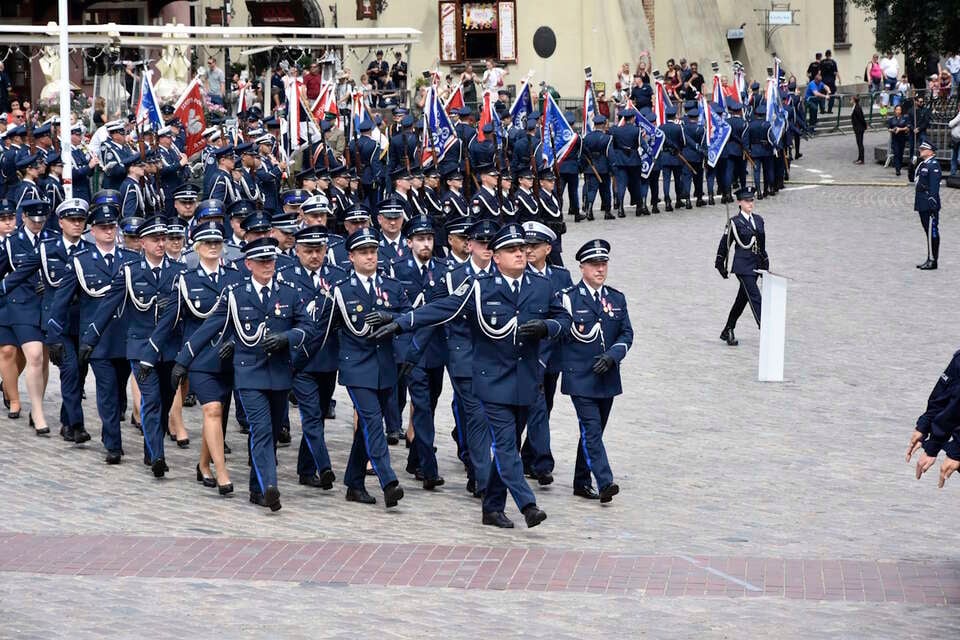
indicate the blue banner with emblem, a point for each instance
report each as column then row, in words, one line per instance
column 522, row 106
column 651, row 144
column 719, row 133
column 558, row 136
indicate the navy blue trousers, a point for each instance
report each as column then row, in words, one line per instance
column 265, row 410
column 111, row 378
column 313, row 392
column 156, row 398
column 592, row 414
column 369, row 442
column 71, row 384
column 535, row 452
column 748, row 292
column 594, row 187
column 505, row 468
column 425, row 386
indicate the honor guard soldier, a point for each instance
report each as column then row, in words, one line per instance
column 269, row 173
column 83, row 163
column 52, row 262
column 29, row 166
column 131, row 193
column 525, row 148
column 650, row 184
column 222, row 185
column 454, row 203
column 693, row 153
column 403, row 146
column 173, row 168
column 926, row 201
column 745, row 234
column 735, row 165
column 597, row 146
column 175, row 239
column 535, row 452
column 510, row 313
column 265, row 320
column 393, row 244
column 52, row 188
column 568, row 172
column 670, row 163
column 483, row 152
column 400, row 180
column 420, row 274
column 184, row 199
column 152, row 192
column 367, row 367
column 20, row 322
column 142, row 285
column 758, row 144
column 433, row 207
column 255, row 225
column 11, row 153
column 86, row 282
column 626, row 160
column 340, row 197
column 365, row 153
column 550, row 213
column 194, row 297
column 249, row 189
column 315, row 376
column 357, row 216
column 211, row 136
column 597, row 342
column 526, row 202
column 112, row 152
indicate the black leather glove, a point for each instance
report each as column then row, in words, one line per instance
column 720, row 264
column 535, row 329
column 84, row 353
column 405, row 368
column 765, row 263
column 177, row 375
column 386, row 331
column 274, row 342
column 143, row 372
column 56, row 351
column 377, row 318
column 603, row 363
column 225, row 352
column 723, row 272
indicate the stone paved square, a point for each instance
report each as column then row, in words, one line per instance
column 747, row 509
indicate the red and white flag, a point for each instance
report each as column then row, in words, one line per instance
column 455, row 101
column 189, row 110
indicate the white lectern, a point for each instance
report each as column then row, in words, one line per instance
column 773, row 320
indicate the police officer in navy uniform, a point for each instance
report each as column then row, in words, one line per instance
column 367, row 367
column 365, row 154
column 510, row 313
column 143, row 285
column 735, row 165
column 486, row 201
column 393, row 244
column 83, row 163
column 265, row 321
column 597, row 146
column 693, row 148
column 269, row 173
column 193, row 298
column 315, row 376
column 112, row 152
column 670, row 163
column 453, row 202
column 29, row 166
column 86, row 282
column 51, row 261
column 484, row 152
column 222, row 185
column 550, row 213
column 756, row 140
column 403, row 146
column 936, row 428
column 926, row 201
column 626, row 161
column 421, row 274
column 525, row 200
column 746, row 235
column 568, row 172
column 173, row 171
column 598, row 340
column 132, row 202
column 537, row 458
column 526, row 145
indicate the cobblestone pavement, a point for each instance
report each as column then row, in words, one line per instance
column 715, row 469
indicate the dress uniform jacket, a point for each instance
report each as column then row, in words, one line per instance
column 749, row 243
column 596, row 146
column 927, row 195
column 674, row 145
column 81, row 172
column 693, row 149
column 527, row 206
column 22, row 299
column 402, row 151
column 248, row 187
column 171, row 175
column 113, row 169
column 454, row 205
column 320, row 360
column 596, row 329
column 755, row 138
column 132, row 202
column 269, row 177
column 223, row 188
column 389, row 253
column 24, row 190
column 485, row 204
column 421, row 288
column 365, row 153
column 561, row 281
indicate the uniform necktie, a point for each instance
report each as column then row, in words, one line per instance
column 396, row 247
column 516, row 287
column 36, row 242
column 423, row 271
column 315, row 276
column 213, row 277
column 265, row 295
column 156, row 273
column 109, row 259
column 596, row 296
column 72, row 250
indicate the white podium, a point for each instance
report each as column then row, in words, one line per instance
column 773, row 321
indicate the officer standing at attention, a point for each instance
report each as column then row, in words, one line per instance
column 111, row 153
column 599, row 338
column 596, row 146
column 510, row 314
column 265, row 320
column 756, row 138
column 315, row 377
column 626, row 161
column 926, row 201
column 83, row 163
column 86, row 282
column 143, row 285
column 367, row 367
column 735, row 166
column 670, row 163
column 551, row 213
column 745, row 233
column 568, row 172
column 693, row 153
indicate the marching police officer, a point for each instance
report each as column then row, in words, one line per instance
column 626, row 161
column 761, row 152
column 550, row 214
column 264, row 319
column 746, row 235
column 112, row 152
column 222, row 185
column 132, row 203
column 596, row 146
column 600, row 336
column 670, row 163
column 365, row 154
column 926, row 201
column 173, row 169
column 936, row 428
column 735, row 166
column 83, row 163
column 694, row 138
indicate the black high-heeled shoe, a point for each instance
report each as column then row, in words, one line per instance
column 225, row 489
column 40, row 432
column 183, row 444
column 205, row 480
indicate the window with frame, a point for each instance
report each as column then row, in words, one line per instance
column 473, row 31
column 840, row 35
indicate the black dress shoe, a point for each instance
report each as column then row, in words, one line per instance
column 207, row 481
column 472, row 488
column 533, row 515
column 607, row 493
column 361, row 496
column 711, row 201
column 586, row 492
column 370, row 472
column 225, row 489
column 173, row 436
column 393, row 438
column 283, row 439
column 432, row 483
column 608, row 216
column 654, row 208
column 590, row 215
column 688, row 204
column 66, row 433
column 80, row 435
column 327, row 478
column 392, row 493
column 621, row 213
column 190, row 400
column 727, row 336
column 930, row 265
column 701, row 203
column 271, row 498
column 45, row 431
column 292, row 397
column 113, row 457
column 184, row 444
column 668, row 206
column 497, row 519
column 544, row 479
column 310, row 481
column 159, row 467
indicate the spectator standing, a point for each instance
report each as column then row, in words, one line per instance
column 952, row 65
column 954, row 142
column 214, row 82
column 891, row 71
column 468, row 79
column 398, row 73
column 99, row 112
column 493, row 76
column 624, row 77
column 684, row 70
column 814, row 67
column 831, row 76
column 859, row 124
column 377, row 73
column 694, row 82
column 312, row 80
column 902, row 90
column 873, row 74
column 899, row 127
column 643, row 67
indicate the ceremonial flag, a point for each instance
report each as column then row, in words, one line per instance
column 293, row 89
column 651, row 144
column 426, row 146
column 148, row 109
column 522, row 105
column 589, row 106
column 660, row 103
column 442, row 134
column 740, row 83
column 325, row 103
column 623, row 120
column 716, row 131
column 775, row 111
column 718, row 93
column 455, row 101
column 558, row 136
column 487, row 115
column 189, row 110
